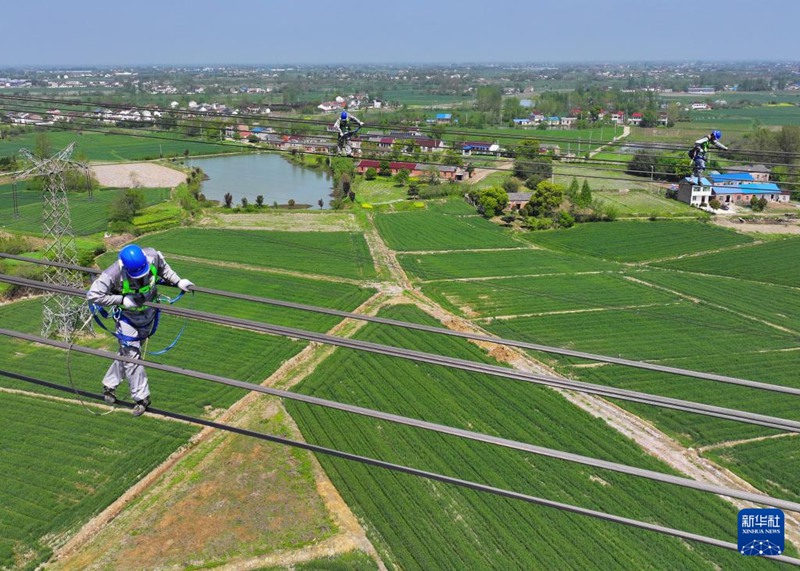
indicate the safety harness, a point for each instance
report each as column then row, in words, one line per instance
column 117, row 312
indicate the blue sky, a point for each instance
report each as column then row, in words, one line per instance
column 44, row 32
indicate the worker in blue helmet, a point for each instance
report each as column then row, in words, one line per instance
column 699, row 152
column 347, row 126
column 127, row 284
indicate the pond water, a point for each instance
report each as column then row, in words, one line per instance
column 265, row 174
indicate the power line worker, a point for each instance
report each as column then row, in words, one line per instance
column 347, row 125
column 699, row 152
column 127, row 284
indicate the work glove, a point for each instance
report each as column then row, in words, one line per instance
column 132, row 301
column 185, row 284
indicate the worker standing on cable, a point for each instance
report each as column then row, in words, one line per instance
column 126, row 285
column 699, row 151
column 347, row 125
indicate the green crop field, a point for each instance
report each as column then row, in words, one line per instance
column 130, row 146
column 61, row 466
column 341, row 254
column 501, row 263
column 88, row 216
column 773, row 464
column 638, row 241
column 409, row 231
column 781, row 304
column 640, row 203
column 542, row 294
column 771, row 262
column 764, row 115
column 443, row 527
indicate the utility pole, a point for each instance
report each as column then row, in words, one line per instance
column 61, row 314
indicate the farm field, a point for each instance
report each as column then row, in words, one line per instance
column 502, row 263
column 410, row 231
column 487, row 299
column 641, row 203
column 340, row 254
column 440, row 523
column 118, row 146
column 782, row 305
column 635, row 241
column 88, row 217
column 773, row 463
column 50, row 483
column 770, row 262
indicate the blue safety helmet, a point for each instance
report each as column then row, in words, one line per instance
column 134, row 261
column 716, row 134
column 344, row 115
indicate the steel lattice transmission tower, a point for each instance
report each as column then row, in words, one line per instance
column 61, row 314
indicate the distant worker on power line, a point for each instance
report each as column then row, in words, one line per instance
column 699, row 152
column 126, row 285
column 347, row 125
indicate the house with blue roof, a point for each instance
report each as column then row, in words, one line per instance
column 444, row 118
column 728, row 189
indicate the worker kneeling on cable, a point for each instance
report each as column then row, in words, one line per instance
column 125, row 286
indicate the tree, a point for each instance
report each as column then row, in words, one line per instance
column 244, row 202
column 228, row 199
column 529, row 165
column 545, row 199
column 126, row 205
column 714, row 203
column 384, row 168
column 642, row 163
column 401, row 178
column 573, row 190
column 370, row 173
column 585, row 198
column 492, row 201
column 291, row 203
column 511, row 184
column 260, row 200
column 413, row 189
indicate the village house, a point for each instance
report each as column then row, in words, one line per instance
column 414, row 169
column 760, row 173
column 728, row 190
column 517, row 200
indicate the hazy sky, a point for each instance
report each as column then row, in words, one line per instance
column 46, row 32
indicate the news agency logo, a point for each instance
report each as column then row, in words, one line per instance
column 761, row 531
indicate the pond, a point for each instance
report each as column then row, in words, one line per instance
column 265, row 174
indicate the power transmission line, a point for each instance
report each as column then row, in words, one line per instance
column 451, row 362
column 426, row 425
column 454, row 333
column 417, row 472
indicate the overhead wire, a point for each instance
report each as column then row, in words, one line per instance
column 400, row 127
column 460, row 364
column 370, row 461
column 448, row 332
column 426, row 425
column 580, row 164
column 203, row 121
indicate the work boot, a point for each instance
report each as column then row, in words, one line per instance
column 109, row 395
column 141, row 406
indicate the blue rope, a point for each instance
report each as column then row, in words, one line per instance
column 116, row 314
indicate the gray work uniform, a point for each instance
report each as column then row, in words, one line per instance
column 701, row 149
column 106, row 291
